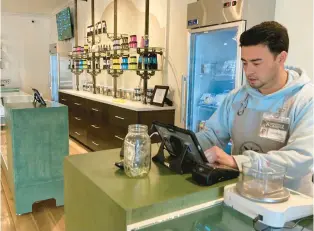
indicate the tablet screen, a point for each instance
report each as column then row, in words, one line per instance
column 176, row 139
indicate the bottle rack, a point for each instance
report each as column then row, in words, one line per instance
column 94, row 57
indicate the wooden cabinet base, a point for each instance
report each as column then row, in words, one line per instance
column 100, row 126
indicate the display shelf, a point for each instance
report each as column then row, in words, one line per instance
column 208, row 106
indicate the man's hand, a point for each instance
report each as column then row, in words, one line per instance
column 216, row 154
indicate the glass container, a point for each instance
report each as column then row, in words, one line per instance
column 262, row 177
column 137, row 151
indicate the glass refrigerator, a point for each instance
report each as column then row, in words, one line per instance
column 214, row 71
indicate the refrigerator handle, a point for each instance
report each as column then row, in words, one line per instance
column 183, row 99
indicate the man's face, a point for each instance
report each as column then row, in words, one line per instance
column 260, row 66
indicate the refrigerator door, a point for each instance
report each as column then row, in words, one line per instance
column 54, row 77
column 214, row 70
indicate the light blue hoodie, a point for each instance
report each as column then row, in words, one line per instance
column 297, row 155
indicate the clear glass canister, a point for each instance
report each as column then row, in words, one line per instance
column 263, row 177
column 137, row 151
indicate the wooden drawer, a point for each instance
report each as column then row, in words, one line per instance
column 120, row 117
column 97, row 113
column 78, row 107
column 116, row 137
column 96, row 143
column 78, row 129
column 98, row 137
column 64, row 99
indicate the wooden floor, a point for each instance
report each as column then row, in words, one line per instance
column 45, row 216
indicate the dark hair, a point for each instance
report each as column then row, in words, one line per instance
column 272, row 34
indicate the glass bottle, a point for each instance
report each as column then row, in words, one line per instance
column 137, row 151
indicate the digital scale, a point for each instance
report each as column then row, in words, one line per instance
column 275, row 215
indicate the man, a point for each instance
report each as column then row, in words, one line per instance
column 270, row 119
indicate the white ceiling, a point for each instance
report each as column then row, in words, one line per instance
column 31, row 6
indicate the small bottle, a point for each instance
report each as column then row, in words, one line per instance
column 99, row 28
column 142, row 42
column 104, row 27
column 140, row 62
column 145, row 61
column 146, row 41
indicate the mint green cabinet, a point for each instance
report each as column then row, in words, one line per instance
column 37, row 142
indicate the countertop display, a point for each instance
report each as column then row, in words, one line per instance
column 127, row 104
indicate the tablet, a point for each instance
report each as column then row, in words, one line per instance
column 37, row 97
column 176, row 139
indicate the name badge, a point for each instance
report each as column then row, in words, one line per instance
column 274, row 127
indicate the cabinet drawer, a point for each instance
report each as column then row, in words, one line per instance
column 78, row 129
column 78, row 107
column 96, row 143
column 97, row 112
column 116, row 136
column 120, row 117
column 64, row 99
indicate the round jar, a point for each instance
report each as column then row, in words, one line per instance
column 137, row 151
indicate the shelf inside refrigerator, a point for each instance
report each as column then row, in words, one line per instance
column 208, row 106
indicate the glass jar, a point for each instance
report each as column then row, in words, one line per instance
column 137, row 151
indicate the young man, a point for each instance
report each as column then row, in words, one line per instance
column 270, row 119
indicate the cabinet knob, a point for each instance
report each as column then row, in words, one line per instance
column 120, row 118
column 77, row 133
column 77, row 118
column 63, row 99
column 95, row 109
column 78, row 104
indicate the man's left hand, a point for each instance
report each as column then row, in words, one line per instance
column 216, row 154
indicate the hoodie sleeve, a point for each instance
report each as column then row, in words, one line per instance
column 297, row 155
column 216, row 132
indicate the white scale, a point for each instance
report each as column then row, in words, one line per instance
column 273, row 214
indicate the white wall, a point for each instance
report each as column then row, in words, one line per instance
column 26, row 51
column 297, row 16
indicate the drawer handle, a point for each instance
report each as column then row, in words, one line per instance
column 78, row 104
column 77, row 118
column 63, row 99
column 118, row 137
column 95, row 109
column 77, row 133
column 94, row 126
column 120, row 118
column 95, row 143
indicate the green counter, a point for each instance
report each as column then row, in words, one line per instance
column 99, row 196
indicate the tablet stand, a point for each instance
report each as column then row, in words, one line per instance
column 179, row 163
column 37, row 100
